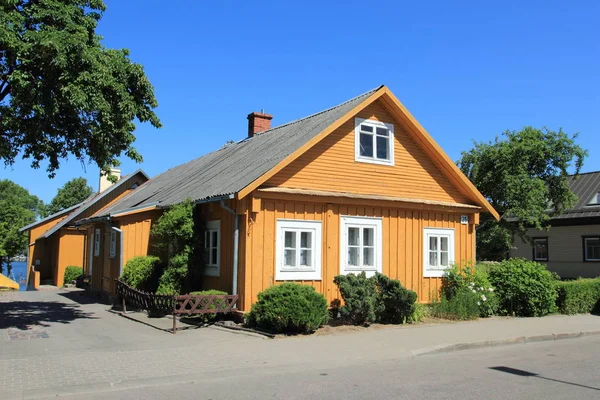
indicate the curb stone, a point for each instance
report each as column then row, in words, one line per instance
column 450, row 348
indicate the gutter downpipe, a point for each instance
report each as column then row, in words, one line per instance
column 122, row 243
column 236, row 244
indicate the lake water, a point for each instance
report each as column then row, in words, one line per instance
column 18, row 273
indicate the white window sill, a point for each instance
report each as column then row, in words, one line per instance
column 368, row 272
column 435, row 273
column 211, row 270
column 374, row 161
column 297, row 275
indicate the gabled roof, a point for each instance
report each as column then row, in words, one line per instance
column 238, row 169
column 585, row 186
column 91, row 201
column 51, row 217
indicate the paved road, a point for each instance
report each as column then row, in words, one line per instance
column 557, row 370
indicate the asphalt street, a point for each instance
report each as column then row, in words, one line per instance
column 568, row 369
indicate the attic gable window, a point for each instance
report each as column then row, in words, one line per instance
column 374, row 142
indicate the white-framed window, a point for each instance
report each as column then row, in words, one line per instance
column 361, row 245
column 97, row 243
column 438, row 251
column 591, row 248
column 374, row 142
column 212, row 247
column 298, row 250
column 113, row 244
column 540, row 249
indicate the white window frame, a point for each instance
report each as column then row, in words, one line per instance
column 375, row 124
column 299, row 273
column 535, row 242
column 113, row 244
column 97, row 243
column 585, row 249
column 437, row 271
column 212, row 267
column 361, row 222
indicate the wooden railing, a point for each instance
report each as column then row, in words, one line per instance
column 187, row 304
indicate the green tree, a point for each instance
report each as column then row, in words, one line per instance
column 523, row 174
column 17, row 209
column 63, row 93
column 73, row 192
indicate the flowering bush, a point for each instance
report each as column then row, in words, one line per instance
column 476, row 282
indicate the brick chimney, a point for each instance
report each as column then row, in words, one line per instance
column 258, row 122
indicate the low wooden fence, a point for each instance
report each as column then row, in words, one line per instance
column 187, row 304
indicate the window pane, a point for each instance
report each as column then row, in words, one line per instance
column 366, row 145
column 353, row 236
column 444, row 243
column 444, row 259
column 306, row 258
column 353, row 256
column 382, row 148
column 368, row 236
column 369, row 256
column 433, row 243
column 366, row 128
column 215, row 239
column 213, row 256
column 592, row 249
column 290, row 239
column 382, row 131
column 289, row 259
column 433, row 258
column 306, row 240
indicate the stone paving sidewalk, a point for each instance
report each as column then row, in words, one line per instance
column 88, row 347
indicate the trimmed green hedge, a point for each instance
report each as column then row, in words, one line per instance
column 289, row 307
column 72, row 273
column 141, row 273
column 579, row 297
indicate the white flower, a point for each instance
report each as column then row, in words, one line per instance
column 490, row 289
column 483, row 297
column 474, row 291
column 482, row 289
column 478, row 303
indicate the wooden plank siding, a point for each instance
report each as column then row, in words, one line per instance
column 70, row 252
column 330, row 165
column 402, row 243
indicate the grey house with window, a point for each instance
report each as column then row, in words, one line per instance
column 571, row 247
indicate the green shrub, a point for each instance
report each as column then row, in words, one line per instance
column 140, row 272
column 579, row 297
column 525, row 288
column 207, row 318
column 395, row 304
column 476, row 280
column 289, row 308
column 72, row 273
column 420, row 311
column 463, row 305
column 174, row 276
column 360, row 298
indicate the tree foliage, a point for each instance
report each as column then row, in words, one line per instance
column 18, row 208
column 73, row 192
column 524, row 176
column 63, row 93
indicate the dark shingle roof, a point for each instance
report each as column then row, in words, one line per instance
column 585, row 186
column 74, row 216
column 49, row 217
column 233, row 167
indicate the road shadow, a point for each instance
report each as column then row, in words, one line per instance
column 26, row 314
column 520, row 372
column 79, row 296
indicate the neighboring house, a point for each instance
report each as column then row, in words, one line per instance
column 55, row 242
column 358, row 187
column 571, row 247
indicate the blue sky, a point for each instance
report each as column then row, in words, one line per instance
column 466, row 70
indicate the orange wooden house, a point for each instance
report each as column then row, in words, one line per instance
column 56, row 243
column 358, row 187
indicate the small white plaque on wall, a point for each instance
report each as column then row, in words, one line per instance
column 464, row 219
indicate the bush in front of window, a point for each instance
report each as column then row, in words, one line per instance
column 395, row 304
column 142, row 273
column 360, row 298
column 72, row 273
column 476, row 280
column 581, row 296
column 289, row 308
column 525, row 288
